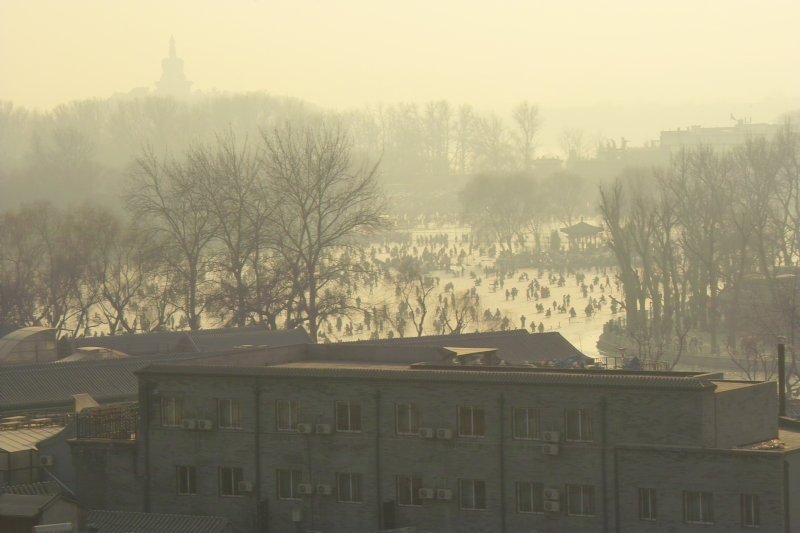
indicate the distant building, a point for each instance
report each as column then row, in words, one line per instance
column 720, row 138
column 363, row 437
column 173, row 80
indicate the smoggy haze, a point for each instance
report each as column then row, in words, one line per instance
column 682, row 61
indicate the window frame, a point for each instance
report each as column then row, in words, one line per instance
column 236, row 474
column 293, row 409
column 174, row 406
column 185, row 474
column 532, row 488
column 412, row 411
column 295, row 478
column 475, row 493
column 648, row 504
column 355, row 487
column 751, row 503
column 531, row 413
column 585, row 425
column 352, row 421
column 701, row 496
column 414, row 482
column 233, row 407
column 586, row 504
column 473, row 411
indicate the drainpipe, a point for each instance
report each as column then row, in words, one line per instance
column 257, row 462
column 149, row 389
column 603, row 461
column 378, row 495
column 781, row 379
column 502, row 463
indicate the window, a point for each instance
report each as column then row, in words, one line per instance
column 647, row 504
column 751, row 514
column 171, row 411
column 348, row 416
column 287, row 484
column 229, row 414
column 286, row 415
column 530, row 497
column 471, row 422
column 408, row 489
column 472, row 494
column 579, row 425
column 406, row 419
column 348, row 488
column 185, row 480
column 580, row 500
column 698, row 507
column 526, row 423
column 229, row 478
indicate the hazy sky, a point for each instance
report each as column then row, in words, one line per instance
column 562, row 54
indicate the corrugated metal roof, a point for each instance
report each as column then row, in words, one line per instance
column 130, row 522
column 17, row 440
column 581, row 378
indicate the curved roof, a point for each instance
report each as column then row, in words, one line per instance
column 11, row 340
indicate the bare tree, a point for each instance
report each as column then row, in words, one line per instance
column 323, row 200
column 526, row 118
column 166, row 193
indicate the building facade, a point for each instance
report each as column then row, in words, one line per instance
column 303, row 442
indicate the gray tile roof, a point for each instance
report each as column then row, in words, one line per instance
column 378, row 372
column 51, row 385
column 131, row 522
column 515, row 346
column 227, row 338
column 203, row 340
column 24, row 505
column 40, row 488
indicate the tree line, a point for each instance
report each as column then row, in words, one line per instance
column 711, row 242
column 82, row 149
column 237, row 231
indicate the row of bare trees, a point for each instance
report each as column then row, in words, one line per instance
column 79, row 150
column 712, row 243
column 228, row 232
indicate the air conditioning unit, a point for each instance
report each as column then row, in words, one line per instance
column 324, row 490
column 305, row 429
column 46, row 460
column 550, row 449
column 444, row 433
column 205, row 424
column 427, row 433
column 188, row 423
column 427, row 494
column 305, row 489
column 323, row 429
column 551, row 494
column 245, row 486
column 550, row 436
column 551, row 506
column 444, row 494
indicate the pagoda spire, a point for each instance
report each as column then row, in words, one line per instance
column 172, row 53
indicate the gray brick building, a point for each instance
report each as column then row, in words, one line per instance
column 314, row 438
